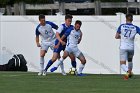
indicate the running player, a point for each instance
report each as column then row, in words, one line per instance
column 45, row 31
column 74, row 37
column 126, row 33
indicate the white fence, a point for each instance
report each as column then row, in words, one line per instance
column 101, row 49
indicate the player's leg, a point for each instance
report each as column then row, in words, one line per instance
column 43, row 50
column 123, row 58
column 73, row 60
column 130, row 63
column 81, row 57
column 56, row 54
column 51, row 61
column 42, row 54
column 65, row 55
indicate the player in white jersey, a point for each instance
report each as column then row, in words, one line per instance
column 45, row 31
column 73, row 39
column 126, row 33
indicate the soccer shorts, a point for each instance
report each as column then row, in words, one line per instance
column 60, row 48
column 45, row 45
column 73, row 50
column 125, row 54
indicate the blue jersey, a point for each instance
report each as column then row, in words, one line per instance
column 62, row 30
column 128, row 32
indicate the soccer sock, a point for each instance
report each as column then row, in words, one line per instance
column 48, row 65
column 61, row 66
column 124, row 67
column 130, row 65
column 60, row 61
column 73, row 63
column 41, row 63
column 81, row 67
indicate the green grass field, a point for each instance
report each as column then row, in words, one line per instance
column 19, row 82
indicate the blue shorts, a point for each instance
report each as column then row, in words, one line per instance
column 60, row 48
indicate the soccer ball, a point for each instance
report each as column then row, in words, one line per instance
column 73, row 71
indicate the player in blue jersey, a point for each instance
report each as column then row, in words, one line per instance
column 74, row 37
column 61, row 30
column 45, row 31
column 126, row 33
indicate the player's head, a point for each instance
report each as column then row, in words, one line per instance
column 78, row 24
column 129, row 17
column 42, row 19
column 68, row 19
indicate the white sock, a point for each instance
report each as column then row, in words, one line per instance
column 41, row 63
column 60, row 61
column 81, row 67
column 62, row 66
column 130, row 65
column 124, row 67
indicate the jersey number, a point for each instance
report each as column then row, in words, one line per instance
column 127, row 33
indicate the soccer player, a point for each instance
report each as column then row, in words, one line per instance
column 56, row 54
column 126, row 33
column 74, row 37
column 45, row 31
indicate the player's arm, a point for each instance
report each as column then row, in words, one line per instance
column 118, row 36
column 80, row 37
column 62, row 38
column 138, row 30
column 67, row 33
column 37, row 38
column 37, row 41
column 59, row 30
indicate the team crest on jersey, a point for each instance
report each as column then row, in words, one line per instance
column 46, row 32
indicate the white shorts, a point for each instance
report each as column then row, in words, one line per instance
column 45, row 45
column 125, row 54
column 73, row 50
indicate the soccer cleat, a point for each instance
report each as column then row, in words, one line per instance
column 44, row 73
column 126, row 76
column 63, row 73
column 40, row 73
column 81, row 74
column 53, row 69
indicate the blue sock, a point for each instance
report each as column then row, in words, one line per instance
column 48, row 65
column 73, row 63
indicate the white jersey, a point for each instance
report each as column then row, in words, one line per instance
column 73, row 38
column 46, row 32
column 128, row 32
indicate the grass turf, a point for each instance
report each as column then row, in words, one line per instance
column 22, row 82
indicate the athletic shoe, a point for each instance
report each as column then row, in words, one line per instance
column 53, row 69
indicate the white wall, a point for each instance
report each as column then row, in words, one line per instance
column 99, row 46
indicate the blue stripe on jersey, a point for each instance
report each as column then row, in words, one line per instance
column 52, row 24
column 119, row 29
column 65, row 29
column 137, row 28
column 37, row 32
column 68, row 31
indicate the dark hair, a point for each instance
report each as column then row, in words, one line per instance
column 68, row 16
column 129, row 17
column 78, row 22
column 41, row 16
